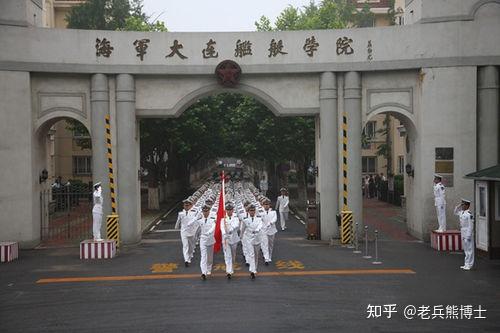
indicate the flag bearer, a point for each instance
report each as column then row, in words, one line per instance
column 466, row 231
column 230, row 238
column 186, row 222
column 251, row 237
column 207, row 241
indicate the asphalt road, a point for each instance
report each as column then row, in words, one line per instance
column 310, row 287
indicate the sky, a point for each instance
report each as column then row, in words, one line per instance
column 216, row 15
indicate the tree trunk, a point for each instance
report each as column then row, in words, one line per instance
column 301, row 185
column 153, row 198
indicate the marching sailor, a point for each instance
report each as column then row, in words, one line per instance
column 466, row 230
column 282, row 206
column 440, row 202
column 186, row 222
column 268, row 231
column 206, row 224
column 251, row 238
column 230, row 238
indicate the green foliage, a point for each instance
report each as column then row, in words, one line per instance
column 112, row 15
column 329, row 14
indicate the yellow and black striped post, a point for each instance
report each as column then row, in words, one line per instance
column 346, row 227
column 112, row 221
column 344, row 162
column 113, row 228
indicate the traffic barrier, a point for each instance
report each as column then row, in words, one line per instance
column 376, row 261
column 9, row 251
column 105, row 249
column 356, row 239
column 366, row 256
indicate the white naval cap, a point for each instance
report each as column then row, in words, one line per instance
column 437, row 175
column 97, row 184
column 465, row 201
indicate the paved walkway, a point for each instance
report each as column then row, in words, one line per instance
column 388, row 219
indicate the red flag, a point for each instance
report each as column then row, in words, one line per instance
column 220, row 215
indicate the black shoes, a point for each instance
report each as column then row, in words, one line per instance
column 252, row 276
column 203, row 277
column 247, row 264
column 186, row 264
column 266, row 263
column 228, row 276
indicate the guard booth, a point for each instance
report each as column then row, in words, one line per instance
column 487, row 210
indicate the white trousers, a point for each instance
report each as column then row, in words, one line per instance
column 207, row 258
column 441, row 215
column 245, row 246
column 270, row 245
column 253, row 257
column 283, row 219
column 96, row 225
column 188, row 243
column 228, row 256
column 264, row 246
column 233, row 251
column 468, row 245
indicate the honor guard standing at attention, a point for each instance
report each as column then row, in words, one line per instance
column 207, row 241
column 97, row 212
column 269, row 219
column 251, row 237
column 466, row 231
column 440, row 202
column 230, row 238
column 282, row 206
column 186, row 221
column 245, row 248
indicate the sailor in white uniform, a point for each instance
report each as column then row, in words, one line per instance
column 207, row 225
column 282, row 207
column 97, row 212
column 186, row 222
column 466, row 230
column 230, row 238
column 251, row 237
column 440, row 202
column 268, row 231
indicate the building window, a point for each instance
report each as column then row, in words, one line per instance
column 82, row 165
column 401, row 165
column 444, row 165
column 369, row 164
column 370, row 130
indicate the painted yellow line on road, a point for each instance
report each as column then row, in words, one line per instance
column 197, row 276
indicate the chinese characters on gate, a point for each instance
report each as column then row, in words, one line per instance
column 243, row 48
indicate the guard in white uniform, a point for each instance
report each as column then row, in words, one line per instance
column 440, row 202
column 230, row 238
column 186, row 221
column 245, row 248
column 97, row 212
column 269, row 230
column 251, row 237
column 466, row 230
column 282, row 207
column 207, row 241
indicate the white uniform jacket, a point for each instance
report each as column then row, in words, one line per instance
column 282, row 203
column 207, row 227
column 97, row 201
column 439, row 195
column 466, row 222
column 232, row 226
column 253, row 225
column 186, row 221
column 269, row 219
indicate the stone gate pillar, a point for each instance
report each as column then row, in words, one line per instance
column 488, row 115
column 352, row 106
column 128, row 203
column 99, row 104
column 328, row 167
